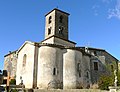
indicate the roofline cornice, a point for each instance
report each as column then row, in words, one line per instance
column 57, row 10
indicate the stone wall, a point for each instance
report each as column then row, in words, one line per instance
column 52, row 25
column 58, row 41
column 10, row 63
column 72, row 90
column 86, row 71
column 55, row 24
column 71, row 77
column 106, row 64
column 110, row 61
column 63, row 42
column 50, row 67
column 25, row 71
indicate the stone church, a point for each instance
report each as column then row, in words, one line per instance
column 56, row 62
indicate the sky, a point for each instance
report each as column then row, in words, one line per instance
column 92, row 23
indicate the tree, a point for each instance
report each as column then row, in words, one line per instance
column 13, row 82
column 105, row 81
column 118, row 77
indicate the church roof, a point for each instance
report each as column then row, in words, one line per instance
column 39, row 44
column 59, row 38
column 98, row 49
column 57, row 10
column 82, row 49
column 91, row 48
column 47, row 44
column 10, row 53
column 26, row 42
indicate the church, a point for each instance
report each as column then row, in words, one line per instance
column 56, row 62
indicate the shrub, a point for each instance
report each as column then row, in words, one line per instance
column 13, row 82
column 118, row 78
column 105, row 81
column 13, row 90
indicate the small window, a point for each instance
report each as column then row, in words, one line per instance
column 79, row 72
column 78, row 66
column 54, row 71
column 87, row 75
column 50, row 19
column 49, row 31
column 78, row 69
column 61, row 19
column 24, row 60
column 60, row 30
column 112, row 68
column 95, row 65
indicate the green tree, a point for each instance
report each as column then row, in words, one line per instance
column 118, row 77
column 105, row 81
column 13, row 82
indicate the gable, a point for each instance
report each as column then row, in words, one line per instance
column 25, row 43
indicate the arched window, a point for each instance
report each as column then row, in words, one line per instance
column 79, row 73
column 87, row 74
column 78, row 66
column 50, row 19
column 79, row 69
column 49, row 31
column 60, row 31
column 24, row 60
column 112, row 68
column 61, row 19
column 54, row 71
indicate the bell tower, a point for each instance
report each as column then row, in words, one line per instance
column 56, row 24
column 56, row 28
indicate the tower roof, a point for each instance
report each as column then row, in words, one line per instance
column 57, row 10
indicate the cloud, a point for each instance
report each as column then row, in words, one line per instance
column 95, row 9
column 115, row 12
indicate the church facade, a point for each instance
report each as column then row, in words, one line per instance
column 56, row 62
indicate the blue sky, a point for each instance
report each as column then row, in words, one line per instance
column 93, row 23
